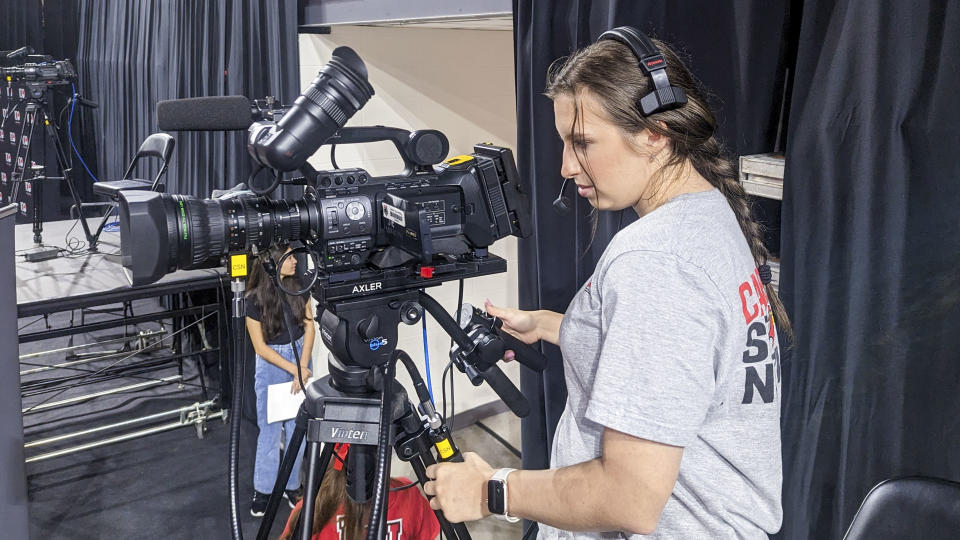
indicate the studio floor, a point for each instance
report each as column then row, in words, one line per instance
column 174, row 485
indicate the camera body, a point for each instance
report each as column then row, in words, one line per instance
column 352, row 223
column 38, row 75
column 461, row 205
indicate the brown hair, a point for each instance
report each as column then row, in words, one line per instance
column 268, row 296
column 330, row 497
column 610, row 72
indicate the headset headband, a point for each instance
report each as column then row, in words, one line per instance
column 664, row 96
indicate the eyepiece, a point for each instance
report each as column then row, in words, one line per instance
column 336, row 94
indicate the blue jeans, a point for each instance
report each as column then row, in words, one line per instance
column 267, row 462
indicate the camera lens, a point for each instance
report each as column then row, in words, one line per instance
column 179, row 232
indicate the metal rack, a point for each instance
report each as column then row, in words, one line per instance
column 149, row 352
column 762, row 176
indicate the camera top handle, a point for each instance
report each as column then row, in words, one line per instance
column 419, row 149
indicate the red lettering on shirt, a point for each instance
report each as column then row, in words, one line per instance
column 750, row 311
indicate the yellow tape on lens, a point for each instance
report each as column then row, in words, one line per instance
column 444, row 448
column 238, row 265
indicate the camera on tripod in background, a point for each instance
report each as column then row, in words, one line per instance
column 36, row 72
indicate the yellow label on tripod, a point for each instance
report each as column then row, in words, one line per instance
column 238, row 265
column 444, row 448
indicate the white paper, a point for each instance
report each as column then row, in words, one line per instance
column 281, row 404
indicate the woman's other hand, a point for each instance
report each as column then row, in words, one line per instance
column 295, row 387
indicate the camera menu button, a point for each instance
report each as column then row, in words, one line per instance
column 355, row 211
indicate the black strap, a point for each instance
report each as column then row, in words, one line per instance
column 766, row 275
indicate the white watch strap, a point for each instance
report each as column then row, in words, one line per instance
column 501, row 475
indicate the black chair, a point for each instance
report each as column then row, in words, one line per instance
column 911, row 507
column 158, row 145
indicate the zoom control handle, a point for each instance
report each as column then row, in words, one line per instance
column 487, row 329
column 477, row 360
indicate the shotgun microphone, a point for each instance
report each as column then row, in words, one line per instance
column 213, row 113
column 562, row 202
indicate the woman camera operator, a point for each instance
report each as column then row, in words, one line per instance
column 670, row 350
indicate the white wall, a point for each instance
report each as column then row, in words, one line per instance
column 461, row 83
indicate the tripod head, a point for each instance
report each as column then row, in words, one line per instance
column 362, row 333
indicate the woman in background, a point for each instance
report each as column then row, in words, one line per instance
column 276, row 363
column 336, row 517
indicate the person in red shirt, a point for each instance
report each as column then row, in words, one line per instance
column 336, row 517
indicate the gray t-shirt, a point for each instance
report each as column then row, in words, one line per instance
column 671, row 340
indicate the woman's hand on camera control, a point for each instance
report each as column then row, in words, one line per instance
column 522, row 324
column 459, row 489
column 527, row 326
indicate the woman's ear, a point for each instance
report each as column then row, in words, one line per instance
column 652, row 142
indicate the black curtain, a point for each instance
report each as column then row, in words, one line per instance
column 133, row 54
column 871, row 233
column 22, row 25
column 736, row 48
column 870, row 256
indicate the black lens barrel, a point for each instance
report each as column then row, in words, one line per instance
column 177, row 232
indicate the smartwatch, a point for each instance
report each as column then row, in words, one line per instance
column 497, row 495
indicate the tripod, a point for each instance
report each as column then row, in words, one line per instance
column 39, row 104
column 360, row 403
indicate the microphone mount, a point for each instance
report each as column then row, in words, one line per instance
column 562, row 203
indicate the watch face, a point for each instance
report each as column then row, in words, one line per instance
column 495, row 496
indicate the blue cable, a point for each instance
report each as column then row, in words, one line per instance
column 426, row 355
column 73, row 105
column 110, row 227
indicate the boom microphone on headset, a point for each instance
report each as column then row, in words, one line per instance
column 562, row 202
column 220, row 113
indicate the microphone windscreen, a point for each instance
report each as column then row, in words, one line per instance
column 222, row 113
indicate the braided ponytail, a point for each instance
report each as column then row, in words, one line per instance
column 709, row 160
column 608, row 69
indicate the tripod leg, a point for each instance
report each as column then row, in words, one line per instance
column 286, row 468
column 67, row 171
column 103, row 222
column 318, row 466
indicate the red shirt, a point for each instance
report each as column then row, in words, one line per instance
column 409, row 517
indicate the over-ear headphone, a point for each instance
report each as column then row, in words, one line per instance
column 664, row 96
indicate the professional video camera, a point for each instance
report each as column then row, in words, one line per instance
column 35, row 71
column 356, row 226
column 375, row 244
column 49, row 72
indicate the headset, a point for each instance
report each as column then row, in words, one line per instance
column 664, row 96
